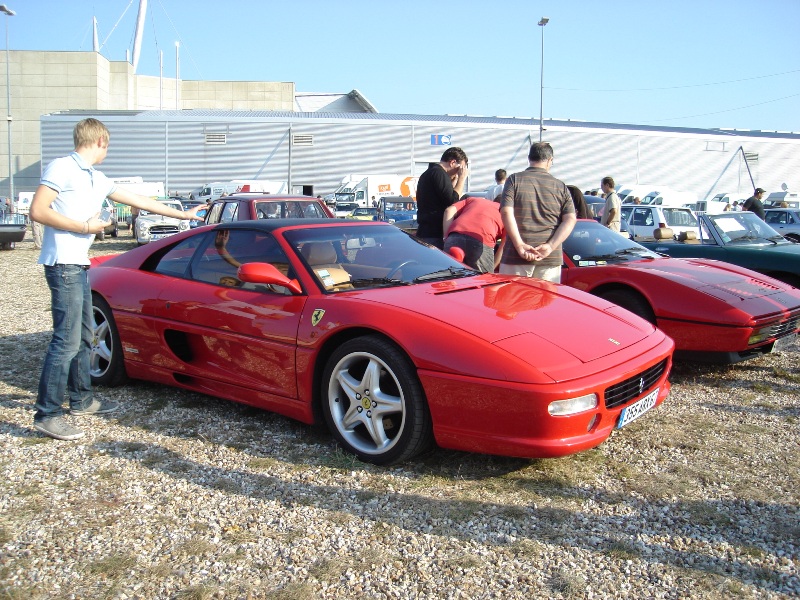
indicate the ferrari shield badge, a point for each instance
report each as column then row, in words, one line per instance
column 316, row 316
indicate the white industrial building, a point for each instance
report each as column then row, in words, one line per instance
column 314, row 150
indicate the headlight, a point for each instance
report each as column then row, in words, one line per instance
column 561, row 408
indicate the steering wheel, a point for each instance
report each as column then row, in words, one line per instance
column 400, row 266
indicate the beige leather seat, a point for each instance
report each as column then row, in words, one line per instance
column 688, row 237
column 322, row 258
column 663, row 233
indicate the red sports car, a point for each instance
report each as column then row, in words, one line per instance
column 715, row 311
column 389, row 341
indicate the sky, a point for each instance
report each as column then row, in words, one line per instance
column 701, row 64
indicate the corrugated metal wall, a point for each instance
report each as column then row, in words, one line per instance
column 173, row 149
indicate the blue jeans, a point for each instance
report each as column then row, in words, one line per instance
column 66, row 364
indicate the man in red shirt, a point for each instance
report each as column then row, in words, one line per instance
column 475, row 225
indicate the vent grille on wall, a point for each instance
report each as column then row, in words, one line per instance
column 303, row 139
column 216, row 138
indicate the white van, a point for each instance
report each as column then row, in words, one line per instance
column 668, row 197
column 774, row 200
column 214, row 190
column 627, row 194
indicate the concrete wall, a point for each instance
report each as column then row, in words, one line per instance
column 48, row 82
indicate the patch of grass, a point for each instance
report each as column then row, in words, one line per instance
column 622, row 550
column 785, row 375
column 293, row 591
column 131, row 447
column 112, row 566
column 5, row 535
column 341, row 460
column 526, row 548
column 567, row 584
column 196, row 547
column 225, row 484
column 19, row 593
column 762, row 388
column 201, row 591
column 753, row 551
column 108, row 474
column 327, row 570
column 33, row 441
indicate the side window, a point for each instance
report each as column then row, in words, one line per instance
column 176, row 261
column 214, row 213
column 229, row 212
column 227, row 250
column 313, row 211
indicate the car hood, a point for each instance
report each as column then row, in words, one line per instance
column 749, row 292
column 153, row 219
column 536, row 321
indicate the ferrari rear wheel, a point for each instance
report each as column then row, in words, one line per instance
column 632, row 301
column 373, row 402
column 105, row 364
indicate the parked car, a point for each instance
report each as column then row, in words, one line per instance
column 12, row 229
column 785, row 221
column 113, row 229
column 740, row 238
column 151, row 227
column 397, row 208
column 365, row 213
column 246, row 207
column 643, row 220
column 390, row 342
column 343, row 209
column 189, row 205
column 715, row 311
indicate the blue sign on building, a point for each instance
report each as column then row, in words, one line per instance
column 440, row 140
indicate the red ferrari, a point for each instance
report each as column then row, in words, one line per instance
column 389, row 341
column 715, row 311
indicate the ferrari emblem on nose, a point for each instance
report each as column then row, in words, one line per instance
column 316, row 316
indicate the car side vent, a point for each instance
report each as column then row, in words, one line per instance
column 303, row 139
column 217, row 139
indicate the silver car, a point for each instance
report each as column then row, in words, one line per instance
column 785, row 221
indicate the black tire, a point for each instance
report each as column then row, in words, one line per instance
column 373, row 402
column 631, row 301
column 106, row 366
column 101, row 235
column 115, row 231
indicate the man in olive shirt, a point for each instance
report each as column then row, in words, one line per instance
column 538, row 215
column 439, row 187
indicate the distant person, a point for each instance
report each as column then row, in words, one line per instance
column 475, row 226
column 613, row 209
column 438, row 187
column 727, row 207
column 754, row 205
column 637, row 200
column 538, row 215
column 736, row 206
column 582, row 210
column 68, row 202
column 494, row 191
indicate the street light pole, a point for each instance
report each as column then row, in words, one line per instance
column 177, row 71
column 542, row 22
column 9, row 13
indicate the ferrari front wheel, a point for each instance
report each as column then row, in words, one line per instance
column 106, row 365
column 373, row 402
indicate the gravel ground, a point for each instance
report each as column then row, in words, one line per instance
column 181, row 495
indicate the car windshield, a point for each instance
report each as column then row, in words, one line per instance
column 679, row 217
column 744, row 228
column 174, row 204
column 344, row 198
column 371, row 256
column 590, row 244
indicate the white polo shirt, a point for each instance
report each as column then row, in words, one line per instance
column 81, row 190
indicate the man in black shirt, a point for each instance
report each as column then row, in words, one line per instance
column 439, row 187
column 753, row 203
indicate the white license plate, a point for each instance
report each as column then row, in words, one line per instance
column 637, row 409
column 157, row 236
